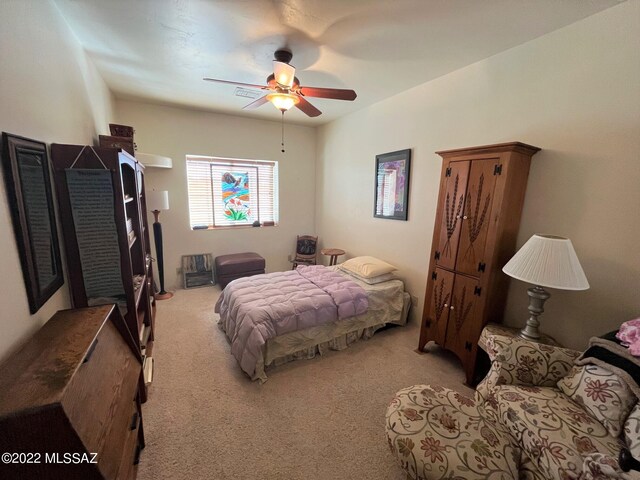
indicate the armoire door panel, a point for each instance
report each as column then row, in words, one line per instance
column 464, row 317
column 477, row 216
column 439, row 303
column 451, row 213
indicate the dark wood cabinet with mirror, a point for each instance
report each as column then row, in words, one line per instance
column 103, row 214
column 482, row 192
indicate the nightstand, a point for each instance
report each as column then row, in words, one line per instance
column 496, row 329
column 483, row 364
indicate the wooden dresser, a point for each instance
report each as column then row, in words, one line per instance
column 69, row 393
column 482, row 192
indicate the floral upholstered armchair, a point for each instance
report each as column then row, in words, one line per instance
column 570, row 421
column 536, row 416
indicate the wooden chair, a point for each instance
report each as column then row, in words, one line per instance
column 306, row 251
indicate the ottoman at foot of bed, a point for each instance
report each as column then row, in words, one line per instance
column 237, row 265
column 436, row 433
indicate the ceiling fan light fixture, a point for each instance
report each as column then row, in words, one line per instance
column 283, row 101
column 284, row 91
column 284, row 73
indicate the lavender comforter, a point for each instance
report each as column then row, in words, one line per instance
column 254, row 309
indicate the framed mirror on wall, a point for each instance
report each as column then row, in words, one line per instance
column 26, row 174
column 392, row 185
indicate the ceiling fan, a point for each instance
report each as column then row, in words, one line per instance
column 285, row 90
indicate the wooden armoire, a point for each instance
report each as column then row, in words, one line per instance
column 482, row 191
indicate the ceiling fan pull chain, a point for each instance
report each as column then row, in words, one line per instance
column 282, row 131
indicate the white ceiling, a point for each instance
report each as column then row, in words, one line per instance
column 159, row 50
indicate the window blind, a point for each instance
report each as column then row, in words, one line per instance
column 226, row 192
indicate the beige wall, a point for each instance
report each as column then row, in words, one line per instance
column 176, row 132
column 51, row 92
column 575, row 94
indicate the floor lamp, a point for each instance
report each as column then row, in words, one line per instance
column 156, row 202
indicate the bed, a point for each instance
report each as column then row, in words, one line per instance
column 386, row 303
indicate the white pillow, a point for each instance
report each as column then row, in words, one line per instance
column 367, row 267
column 373, row 280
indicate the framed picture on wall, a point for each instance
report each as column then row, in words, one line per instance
column 392, row 185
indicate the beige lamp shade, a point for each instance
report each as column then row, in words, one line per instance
column 548, row 261
column 158, row 200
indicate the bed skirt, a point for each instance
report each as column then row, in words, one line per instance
column 307, row 343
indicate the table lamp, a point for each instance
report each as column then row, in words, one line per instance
column 545, row 261
column 156, row 202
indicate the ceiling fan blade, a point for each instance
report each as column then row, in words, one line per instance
column 284, row 73
column 307, row 108
column 248, row 85
column 334, row 93
column 256, row 103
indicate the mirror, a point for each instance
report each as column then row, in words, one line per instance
column 26, row 174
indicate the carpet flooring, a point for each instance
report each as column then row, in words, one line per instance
column 313, row 419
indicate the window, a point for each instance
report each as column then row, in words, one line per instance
column 226, row 192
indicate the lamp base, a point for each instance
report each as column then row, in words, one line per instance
column 523, row 334
column 537, row 297
column 163, row 295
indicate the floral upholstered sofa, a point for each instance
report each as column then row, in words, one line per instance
column 535, row 416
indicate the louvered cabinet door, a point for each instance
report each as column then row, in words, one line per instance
column 434, row 323
column 476, row 219
column 465, row 322
column 451, row 211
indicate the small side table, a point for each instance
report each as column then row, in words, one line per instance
column 333, row 253
column 483, row 364
column 496, row 329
